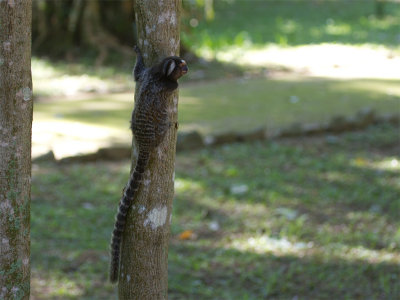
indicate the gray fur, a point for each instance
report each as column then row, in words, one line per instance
column 149, row 124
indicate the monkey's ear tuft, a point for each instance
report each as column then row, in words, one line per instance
column 169, row 67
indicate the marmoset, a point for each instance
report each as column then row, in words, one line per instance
column 149, row 125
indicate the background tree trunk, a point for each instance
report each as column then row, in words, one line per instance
column 96, row 36
column 68, row 29
column 144, row 257
column 380, row 8
column 15, row 147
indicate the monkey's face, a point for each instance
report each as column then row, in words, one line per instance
column 174, row 67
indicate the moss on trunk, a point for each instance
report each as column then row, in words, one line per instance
column 144, row 257
column 15, row 148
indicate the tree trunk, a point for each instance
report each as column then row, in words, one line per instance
column 66, row 28
column 15, row 147
column 380, row 8
column 144, row 254
column 98, row 37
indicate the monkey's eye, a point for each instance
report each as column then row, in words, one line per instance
column 184, row 67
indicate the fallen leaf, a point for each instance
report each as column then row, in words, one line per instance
column 187, row 234
column 359, row 161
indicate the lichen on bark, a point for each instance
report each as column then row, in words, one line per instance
column 15, row 148
column 144, row 255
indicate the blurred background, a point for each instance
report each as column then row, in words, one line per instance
column 291, row 109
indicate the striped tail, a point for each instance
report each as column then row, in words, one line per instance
column 120, row 220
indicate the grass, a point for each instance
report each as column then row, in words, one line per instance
column 238, row 104
column 309, row 218
column 293, row 23
column 236, row 95
column 312, row 218
column 81, row 124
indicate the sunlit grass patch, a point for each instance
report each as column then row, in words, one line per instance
column 185, row 185
column 213, row 107
column 322, row 60
column 248, row 103
column 360, row 253
column 266, row 244
column 63, row 79
column 387, row 164
column 329, row 39
column 55, row 288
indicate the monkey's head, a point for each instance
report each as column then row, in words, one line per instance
column 174, row 67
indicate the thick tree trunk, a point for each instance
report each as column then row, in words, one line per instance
column 144, row 256
column 15, row 147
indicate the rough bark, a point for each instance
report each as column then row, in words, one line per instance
column 144, row 256
column 15, row 147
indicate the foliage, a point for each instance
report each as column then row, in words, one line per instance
column 305, row 218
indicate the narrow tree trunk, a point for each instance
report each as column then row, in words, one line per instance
column 380, row 8
column 144, row 257
column 97, row 36
column 15, row 147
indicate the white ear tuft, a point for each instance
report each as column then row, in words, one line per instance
column 171, row 67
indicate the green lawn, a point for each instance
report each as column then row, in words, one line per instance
column 239, row 104
column 291, row 23
column 312, row 218
column 69, row 125
column 307, row 218
column 219, row 97
column 243, row 104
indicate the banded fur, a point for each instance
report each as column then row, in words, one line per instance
column 120, row 219
column 149, row 125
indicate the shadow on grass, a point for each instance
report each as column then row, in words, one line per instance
column 331, row 207
column 216, row 273
column 337, row 187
